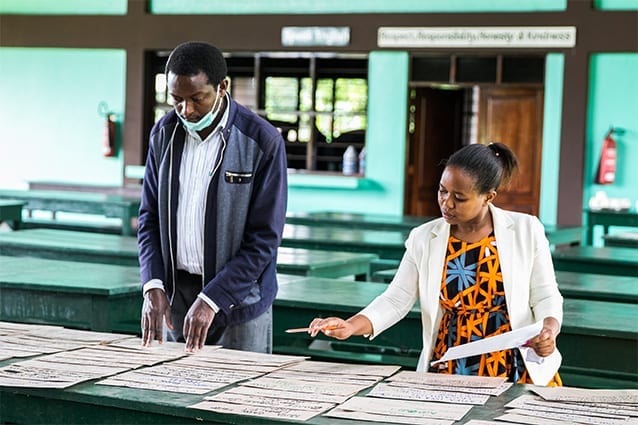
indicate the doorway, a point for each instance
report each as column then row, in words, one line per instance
column 444, row 118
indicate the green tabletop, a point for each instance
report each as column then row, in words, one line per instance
column 607, row 218
column 122, row 250
column 604, row 260
column 99, row 297
column 109, row 205
column 623, row 239
column 357, row 220
column 11, row 212
column 564, row 235
column 589, row 286
column 387, row 244
column 102, row 404
column 589, row 327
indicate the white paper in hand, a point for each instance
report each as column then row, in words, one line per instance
column 504, row 341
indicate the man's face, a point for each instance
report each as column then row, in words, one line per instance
column 192, row 96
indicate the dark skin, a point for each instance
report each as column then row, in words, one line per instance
column 193, row 97
column 467, row 212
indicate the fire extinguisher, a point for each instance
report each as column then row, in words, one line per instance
column 108, row 139
column 608, row 156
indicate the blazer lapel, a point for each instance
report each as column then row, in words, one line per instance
column 504, row 233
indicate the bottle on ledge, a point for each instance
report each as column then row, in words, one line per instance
column 350, row 159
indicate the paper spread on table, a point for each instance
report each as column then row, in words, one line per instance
column 504, row 341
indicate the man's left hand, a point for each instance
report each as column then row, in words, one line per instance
column 196, row 324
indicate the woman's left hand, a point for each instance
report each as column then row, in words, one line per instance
column 545, row 342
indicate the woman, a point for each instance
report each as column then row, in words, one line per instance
column 478, row 271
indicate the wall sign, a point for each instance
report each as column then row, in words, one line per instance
column 315, row 36
column 475, row 37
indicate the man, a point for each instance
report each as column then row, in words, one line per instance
column 212, row 212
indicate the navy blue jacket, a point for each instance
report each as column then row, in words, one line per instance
column 244, row 218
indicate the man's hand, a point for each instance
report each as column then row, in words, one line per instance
column 196, row 323
column 155, row 310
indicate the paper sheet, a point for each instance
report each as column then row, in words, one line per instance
column 586, row 395
column 504, row 341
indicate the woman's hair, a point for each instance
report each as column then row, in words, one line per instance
column 193, row 57
column 491, row 166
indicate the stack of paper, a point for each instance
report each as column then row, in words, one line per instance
column 421, row 398
column 299, row 391
column 559, row 405
column 66, row 368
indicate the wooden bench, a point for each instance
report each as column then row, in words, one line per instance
column 108, row 205
column 122, row 250
column 599, row 339
column 624, row 239
column 608, row 218
column 11, row 212
column 603, row 260
column 357, row 220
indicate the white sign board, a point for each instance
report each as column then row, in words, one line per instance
column 473, row 37
column 315, row 36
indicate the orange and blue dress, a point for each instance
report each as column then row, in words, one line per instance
column 472, row 298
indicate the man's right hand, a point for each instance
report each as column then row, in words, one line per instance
column 155, row 310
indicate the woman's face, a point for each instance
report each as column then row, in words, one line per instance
column 459, row 201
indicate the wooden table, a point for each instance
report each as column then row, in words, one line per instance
column 97, row 297
column 113, row 206
column 122, row 250
column 624, row 239
column 564, row 235
column 607, row 218
column 588, row 286
column 599, row 340
column 387, row 244
column 101, row 404
column 357, row 220
column 11, row 212
column 603, row 260
column 598, row 287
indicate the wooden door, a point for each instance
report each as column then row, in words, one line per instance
column 437, row 120
column 514, row 116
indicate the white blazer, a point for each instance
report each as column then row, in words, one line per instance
column 531, row 291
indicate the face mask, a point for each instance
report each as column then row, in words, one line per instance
column 207, row 119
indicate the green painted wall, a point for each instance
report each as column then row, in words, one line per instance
column 50, row 128
column 219, row 7
column 64, row 7
column 613, row 101
column 552, row 114
column 382, row 189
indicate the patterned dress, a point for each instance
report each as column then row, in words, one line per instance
column 473, row 302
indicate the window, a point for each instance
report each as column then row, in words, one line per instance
column 318, row 102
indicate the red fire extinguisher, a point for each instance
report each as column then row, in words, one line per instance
column 108, row 139
column 607, row 163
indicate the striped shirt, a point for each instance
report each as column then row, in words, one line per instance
column 198, row 162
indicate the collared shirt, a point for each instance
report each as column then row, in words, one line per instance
column 199, row 160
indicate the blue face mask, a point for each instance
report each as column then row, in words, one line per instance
column 206, row 120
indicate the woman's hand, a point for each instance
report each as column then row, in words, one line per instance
column 545, row 342
column 332, row 326
column 341, row 329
